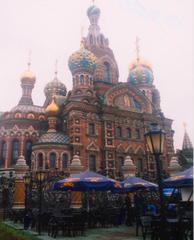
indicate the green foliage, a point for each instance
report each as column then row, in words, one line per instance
column 9, row 233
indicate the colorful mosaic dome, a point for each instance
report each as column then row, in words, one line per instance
column 56, row 87
column 93, row 10
column 140, row 72
column 82, row 61
column 53, row 138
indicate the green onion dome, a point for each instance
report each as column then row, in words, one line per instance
column 140, row 72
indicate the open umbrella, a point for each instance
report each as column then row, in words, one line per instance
column 131, row 184
column 87, row 181
column 180, row 180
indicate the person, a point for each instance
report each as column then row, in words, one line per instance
column 128, row 208
column 27, row 219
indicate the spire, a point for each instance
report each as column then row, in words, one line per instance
column 27, row 83
column 95, row 38
column 186, row 140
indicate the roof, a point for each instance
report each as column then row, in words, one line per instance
column 54, row 138
column 28, row 108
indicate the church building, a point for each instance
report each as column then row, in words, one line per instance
column 101, row 119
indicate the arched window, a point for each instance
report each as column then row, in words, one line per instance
column 138, row 135
column 91, row 39
column 3, row 153
column 40, row 160
column 14, row 152
column 28, row 152
column 64, row 161
column 118, row 132
column 82, row 79
column 91, row 129
column 101, row 39
column 106, row 72
column 128, row 133
column 92, row 163
column 52, row 160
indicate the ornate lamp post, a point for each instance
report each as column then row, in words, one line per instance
column 4, row 191
column 155, row 142
column 27, row 181
column 40, row 177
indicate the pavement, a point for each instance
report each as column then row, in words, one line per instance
column 112, row 233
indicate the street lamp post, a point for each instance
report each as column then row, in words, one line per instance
column 155, row 142
column 27, row 183
column 40, row 177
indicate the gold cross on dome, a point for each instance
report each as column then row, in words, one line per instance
column 93, row 1
column 56, row 67
column 184, row 125
column 137, row 48
column 29, row 60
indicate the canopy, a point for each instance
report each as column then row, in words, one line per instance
column 131, row 184
column 87, row 181
column 181, row 179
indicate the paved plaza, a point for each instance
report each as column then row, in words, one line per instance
column 113, row 233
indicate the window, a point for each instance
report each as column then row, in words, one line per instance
column 3, row 153
column 91, row 39
column 118, row 132
column 52, row 160
column 92, row 163
column 128, row 132
column 28, row 152
column 82, row 79
column 14, row 152
column 137, row 104
column 40, row 160
column 109, row 142
column 108, row 125
column 91, row 129
column 64, row 160
column 138, row 135
column 106, row 72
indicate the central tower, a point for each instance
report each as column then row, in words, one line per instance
column 106, row 66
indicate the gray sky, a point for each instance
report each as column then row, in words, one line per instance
column 51, row 29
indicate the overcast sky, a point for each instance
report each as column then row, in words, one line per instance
column 51, row 29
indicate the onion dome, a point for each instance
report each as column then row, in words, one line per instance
column 140, row 72
column 55, row 86
column 93, row 10
column 52, row 109
column 28, row 75
column 82, row 61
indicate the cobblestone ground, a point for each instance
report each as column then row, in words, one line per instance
column 115, row 233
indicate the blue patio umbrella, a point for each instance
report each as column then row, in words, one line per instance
column 180, row 180
column 87, row 181
column 132, row 184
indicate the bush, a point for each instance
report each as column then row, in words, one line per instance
column 9, row 233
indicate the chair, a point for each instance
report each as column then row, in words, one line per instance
column 78, row 224
column 146, row 225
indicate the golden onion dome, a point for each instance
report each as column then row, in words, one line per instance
column 140, row 62
column 52, row 108
column 28, row 74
